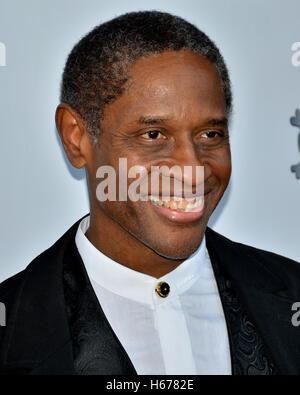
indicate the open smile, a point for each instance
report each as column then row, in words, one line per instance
column 180, row 210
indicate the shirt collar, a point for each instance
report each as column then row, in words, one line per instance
column 131, row 284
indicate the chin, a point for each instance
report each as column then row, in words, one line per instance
column 176, row 254
column 176, row 249
column 175, row 242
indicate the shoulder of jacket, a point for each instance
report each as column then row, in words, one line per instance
column 270, row 259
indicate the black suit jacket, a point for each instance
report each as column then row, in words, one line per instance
column 55, row 324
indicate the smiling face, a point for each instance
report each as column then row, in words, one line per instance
column 172, row 113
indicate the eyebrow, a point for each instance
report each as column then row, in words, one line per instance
column 217, row 121
column 154, row 120
column 151, row 120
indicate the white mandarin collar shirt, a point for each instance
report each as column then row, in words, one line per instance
column 183, row 333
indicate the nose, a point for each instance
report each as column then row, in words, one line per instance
column 187, row 162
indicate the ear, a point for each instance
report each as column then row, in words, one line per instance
column 73, row 134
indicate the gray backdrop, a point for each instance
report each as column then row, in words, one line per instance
column 41, row 195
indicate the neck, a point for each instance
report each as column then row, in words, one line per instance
column 124, row 248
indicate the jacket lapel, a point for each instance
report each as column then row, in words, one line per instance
column 265, row 296
column 96, row 348
column 57, row 321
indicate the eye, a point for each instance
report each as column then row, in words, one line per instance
column 211, row 134
column 152, row 135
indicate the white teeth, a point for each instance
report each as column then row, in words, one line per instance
column 199, row 202
column 190, row 200
column 177, row 203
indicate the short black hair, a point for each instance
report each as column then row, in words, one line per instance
column 97, row 68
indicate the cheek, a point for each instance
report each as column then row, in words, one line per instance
column 224, row 175
column 227, row 160
column 221, row 166
column 225, row 166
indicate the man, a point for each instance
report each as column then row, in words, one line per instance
column 143, row 286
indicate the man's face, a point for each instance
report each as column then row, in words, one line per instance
column 172, row 113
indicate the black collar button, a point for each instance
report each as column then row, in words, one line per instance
column 162, row 289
